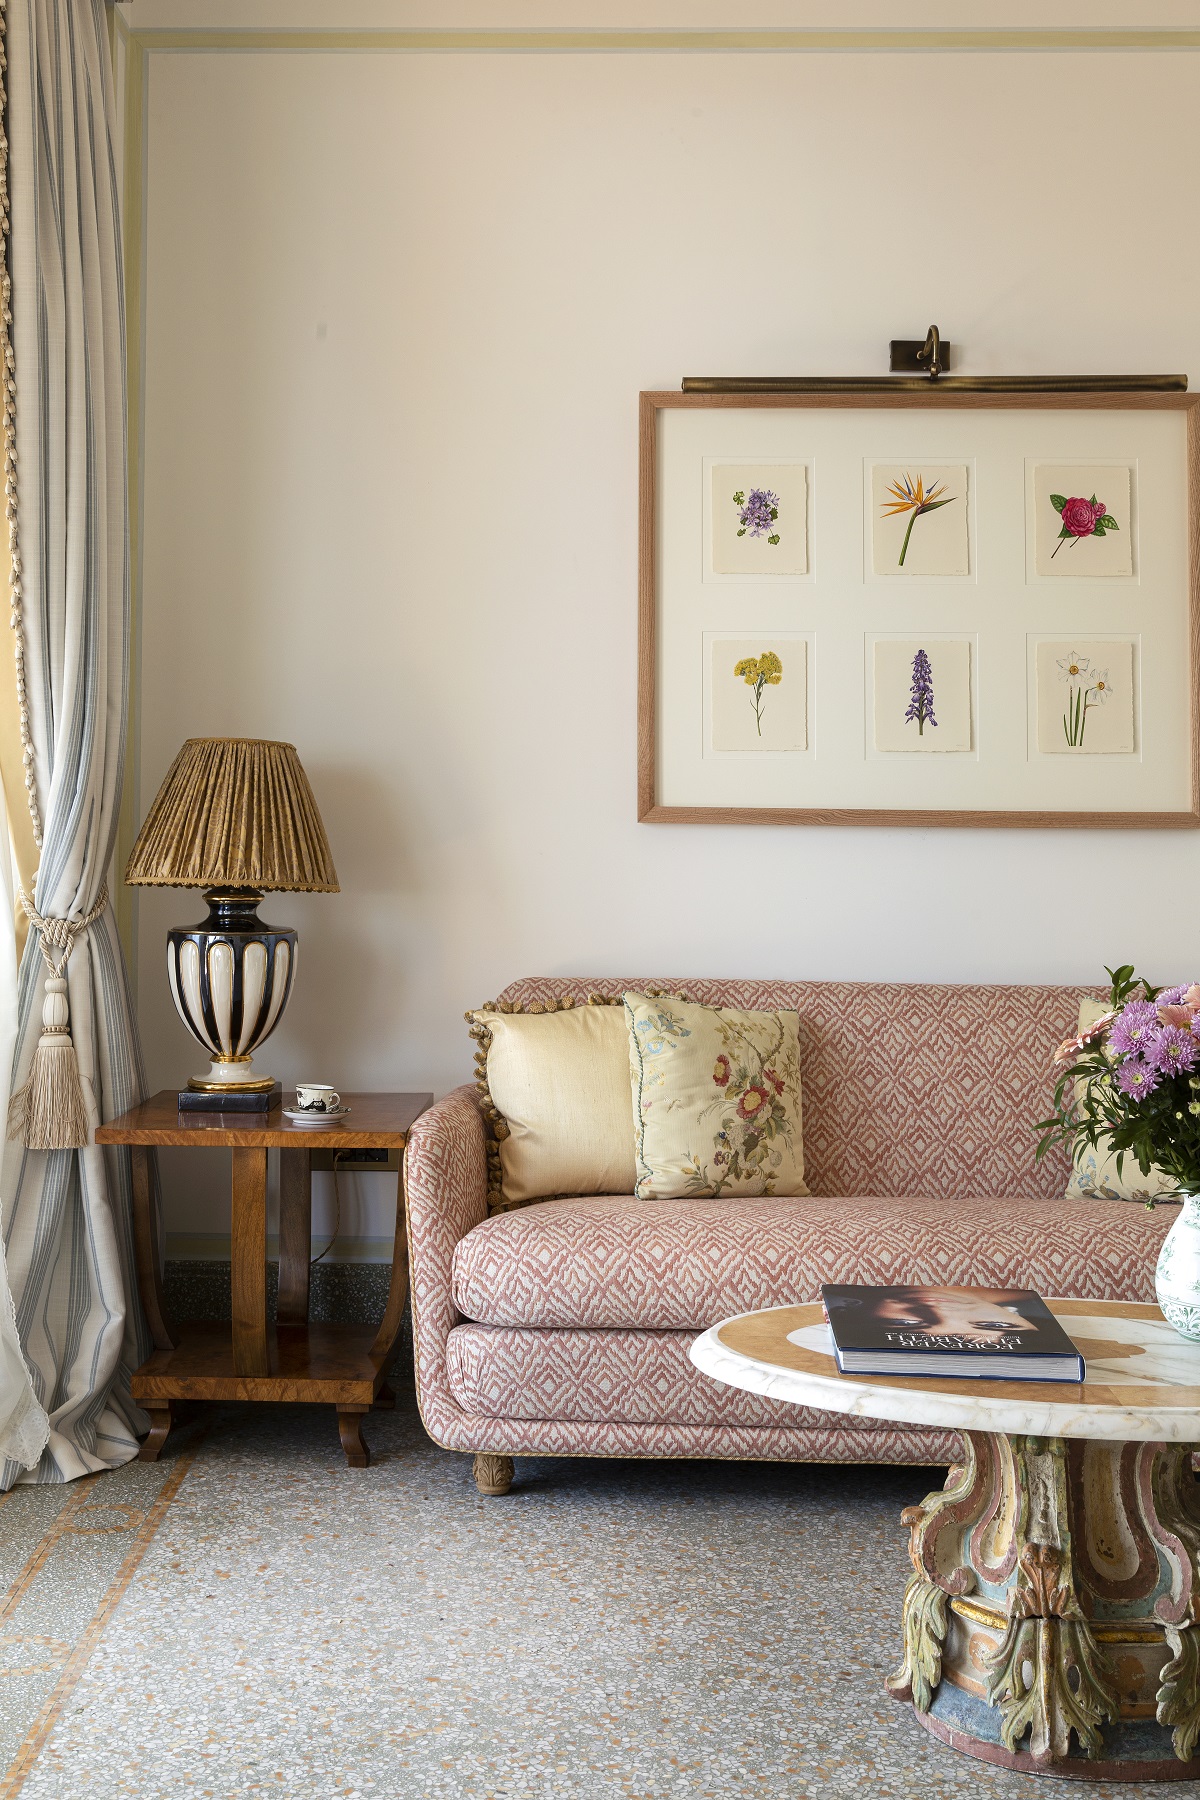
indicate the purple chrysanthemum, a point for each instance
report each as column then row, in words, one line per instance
column 760, row 511
column 1133, row 1026
column 1137, row 1079
column 1173, row 1051
column 1172, row 996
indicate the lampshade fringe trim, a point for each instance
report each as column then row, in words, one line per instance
column 49, row 1111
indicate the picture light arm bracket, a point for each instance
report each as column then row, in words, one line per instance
column 912, row 357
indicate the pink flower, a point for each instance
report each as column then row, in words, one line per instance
column 722, row 1071
column 1181, row 1015
column 1069, row 1049
column 753, row 1101
column 1080, row 517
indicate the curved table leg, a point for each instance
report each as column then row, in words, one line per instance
column 1050, row 1622
column 160, row 1425
column 350, row 1419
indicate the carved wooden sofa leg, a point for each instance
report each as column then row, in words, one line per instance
column 493, row 1474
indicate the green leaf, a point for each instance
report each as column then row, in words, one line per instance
column 1092, row 501
column 774, row 538
column 1064, row 533
column 1108, row 523
column 774, row 511
column 739, row 499
column 1098, row 531
column 742, row 532
column 1058, row 501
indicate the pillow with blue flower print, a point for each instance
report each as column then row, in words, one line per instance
column 1095, row 1175
column 716, row 1099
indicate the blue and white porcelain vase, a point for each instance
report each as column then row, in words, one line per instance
column 1177, row 1277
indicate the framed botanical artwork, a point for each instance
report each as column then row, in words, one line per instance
column 925, row 607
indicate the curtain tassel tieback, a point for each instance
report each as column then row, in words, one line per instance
column 49, row 1111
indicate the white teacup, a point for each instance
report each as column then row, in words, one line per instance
column 317, row 1096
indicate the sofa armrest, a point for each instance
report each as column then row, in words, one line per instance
column 445, row 1181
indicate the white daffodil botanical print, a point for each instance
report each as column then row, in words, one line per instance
column 1087, row 688
column 1086, row 693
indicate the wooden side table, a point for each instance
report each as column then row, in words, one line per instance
column 339, row 1365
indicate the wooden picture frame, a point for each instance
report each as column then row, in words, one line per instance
column 1180, row 771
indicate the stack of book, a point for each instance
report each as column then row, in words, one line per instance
column 1003, row 1334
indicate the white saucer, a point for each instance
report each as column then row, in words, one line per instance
column 316, row 1119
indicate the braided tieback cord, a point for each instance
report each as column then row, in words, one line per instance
column 49, row 1111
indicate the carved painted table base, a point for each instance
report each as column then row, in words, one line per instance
column 1051, row 1621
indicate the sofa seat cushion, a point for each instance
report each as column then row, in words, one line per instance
column 611, row 1262
column 633, row 1377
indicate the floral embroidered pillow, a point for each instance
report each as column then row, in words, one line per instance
column 716, row 1099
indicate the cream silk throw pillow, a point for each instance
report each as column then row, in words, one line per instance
column 561, row 1082
column 716, row 1099
column 1094, row 1176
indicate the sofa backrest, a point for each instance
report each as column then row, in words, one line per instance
column 909, row 1087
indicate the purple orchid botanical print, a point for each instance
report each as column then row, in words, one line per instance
column 920, row 705
column 757, row 513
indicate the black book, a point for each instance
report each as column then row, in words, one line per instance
column 1009, row 1334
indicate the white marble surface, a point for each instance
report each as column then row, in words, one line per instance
column 1160, row 1370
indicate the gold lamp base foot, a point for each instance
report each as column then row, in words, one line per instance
column 231, row 1078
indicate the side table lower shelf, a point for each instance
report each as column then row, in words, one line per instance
column 324, row 1364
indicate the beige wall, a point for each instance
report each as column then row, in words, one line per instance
column 398, row 310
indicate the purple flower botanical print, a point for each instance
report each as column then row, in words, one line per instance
column 920, row 706
column 757, row 512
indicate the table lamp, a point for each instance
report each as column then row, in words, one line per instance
column 237, row 817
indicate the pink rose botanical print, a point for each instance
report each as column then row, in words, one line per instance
column 1081, row 519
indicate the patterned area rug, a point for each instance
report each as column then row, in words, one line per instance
column 250, row 1616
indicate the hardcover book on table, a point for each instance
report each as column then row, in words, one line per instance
column 1002, row 1333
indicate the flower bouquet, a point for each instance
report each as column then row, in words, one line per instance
column 1133, row 1079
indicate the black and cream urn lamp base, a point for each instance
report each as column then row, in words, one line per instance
column 236, row 817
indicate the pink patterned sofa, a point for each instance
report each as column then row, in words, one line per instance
column 562, row 1328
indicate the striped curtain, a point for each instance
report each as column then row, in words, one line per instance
column 67, row 1213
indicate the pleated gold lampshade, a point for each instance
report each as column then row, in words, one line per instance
column 234, row 812
column 235, row 816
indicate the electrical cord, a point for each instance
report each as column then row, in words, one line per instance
column 337, row 1209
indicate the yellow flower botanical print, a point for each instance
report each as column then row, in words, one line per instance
column 759, row 673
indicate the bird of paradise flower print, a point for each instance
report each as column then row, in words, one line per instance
column 905, row 495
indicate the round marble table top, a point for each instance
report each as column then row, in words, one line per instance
column 1142, row 1382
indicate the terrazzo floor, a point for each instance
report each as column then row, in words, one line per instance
column 250, row 1616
